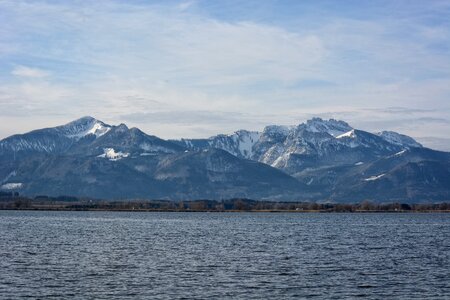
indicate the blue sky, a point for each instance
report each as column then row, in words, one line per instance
column 198, row 68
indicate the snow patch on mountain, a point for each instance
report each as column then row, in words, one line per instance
column 281, row 161
column 97, row 129
column 83, row 127
column 112, row 155
column 148, row 154
column 274, row 155
column 245, row 141
column 349, row 134
column 400, row 153
column 372, row 178
column 239, row 143
column 332, row 127
column 12, row 186
column 349, row 139
column 154, row 148
column 398, row 139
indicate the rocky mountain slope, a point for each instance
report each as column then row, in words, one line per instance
column 320, row 160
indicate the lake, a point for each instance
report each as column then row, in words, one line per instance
column 140, row 255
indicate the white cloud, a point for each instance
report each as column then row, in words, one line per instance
column 185, row 5
column 112, row 59
column 30, row 99
column 23, row 71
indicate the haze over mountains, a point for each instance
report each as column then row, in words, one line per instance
column 320, row 160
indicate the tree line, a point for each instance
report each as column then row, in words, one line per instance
column 15, row 201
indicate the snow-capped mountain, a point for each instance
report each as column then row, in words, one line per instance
column 87, row 135
column 82, row 127
column 54, row 140
column 316, row 142
column 126, row 140
column 320, row 159
column 240, row 143
column 399, row 139
column 332, row 127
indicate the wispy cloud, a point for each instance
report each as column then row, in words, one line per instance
column 185, row 5
column 244, row 64
column 24, row 71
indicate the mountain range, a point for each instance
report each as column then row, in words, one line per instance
column 319, row 160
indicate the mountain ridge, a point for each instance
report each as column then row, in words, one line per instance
column 308, row 161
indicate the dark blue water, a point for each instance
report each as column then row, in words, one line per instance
column 119, row 255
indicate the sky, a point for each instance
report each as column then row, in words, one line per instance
column 198, row 68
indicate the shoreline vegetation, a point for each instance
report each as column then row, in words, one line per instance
column 12, row 201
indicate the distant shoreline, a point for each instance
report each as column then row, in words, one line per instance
column 228, row 211
column 67, row 203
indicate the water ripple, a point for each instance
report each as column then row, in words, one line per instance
column 120, row 255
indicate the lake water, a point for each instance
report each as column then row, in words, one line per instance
column 120, row 255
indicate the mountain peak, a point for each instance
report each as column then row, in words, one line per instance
column 122, row 128
column 331, row 126
column 277, row 130
column 81, row 121
column 84, row 119
column 319, row 159
column 84, row 126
